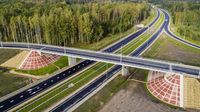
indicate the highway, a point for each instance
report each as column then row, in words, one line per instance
column 35, row 90
column 168, row 31
column 80, row 95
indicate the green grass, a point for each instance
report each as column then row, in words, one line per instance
column 42, row 71
column 60, row 63
column 10, row 82
column 62, row 87
column 6, row 54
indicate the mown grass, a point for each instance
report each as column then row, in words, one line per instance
column 69, row 90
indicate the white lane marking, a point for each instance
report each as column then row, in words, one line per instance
column 64, row 74
column 74, row 69
column 45, row 84
column 69, row 71
column 11, row 101
column 58, row 77
column 21, row 96
column 78, row 66
column 35, row 91
column 1, row 106
column 29, row 89
column 59, row 92
column 51, row 80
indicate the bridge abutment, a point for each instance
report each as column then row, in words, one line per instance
column 125, row 71
column 71, row 61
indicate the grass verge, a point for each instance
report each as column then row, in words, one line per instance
column 166, row 48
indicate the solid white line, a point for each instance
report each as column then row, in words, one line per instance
column 57, row 93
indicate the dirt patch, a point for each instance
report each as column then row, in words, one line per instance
column 135, row 99
column 191, row 93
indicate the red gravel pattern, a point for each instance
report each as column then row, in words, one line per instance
column 37, row 60
column 165, row 88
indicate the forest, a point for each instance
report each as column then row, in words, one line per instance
column 67, row 24
column 186, row 19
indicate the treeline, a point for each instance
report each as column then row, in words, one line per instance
column 186, row 18
column 62, row 24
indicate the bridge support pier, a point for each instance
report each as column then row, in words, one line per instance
column 181, row 91
column 125, row 71
column 71, row 61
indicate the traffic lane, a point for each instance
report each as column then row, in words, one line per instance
column 185, row 70
column 23, row 96
column 77, row 97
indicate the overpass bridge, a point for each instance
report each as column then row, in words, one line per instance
column 136, row 62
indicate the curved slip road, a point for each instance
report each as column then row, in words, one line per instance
column 169, row 32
